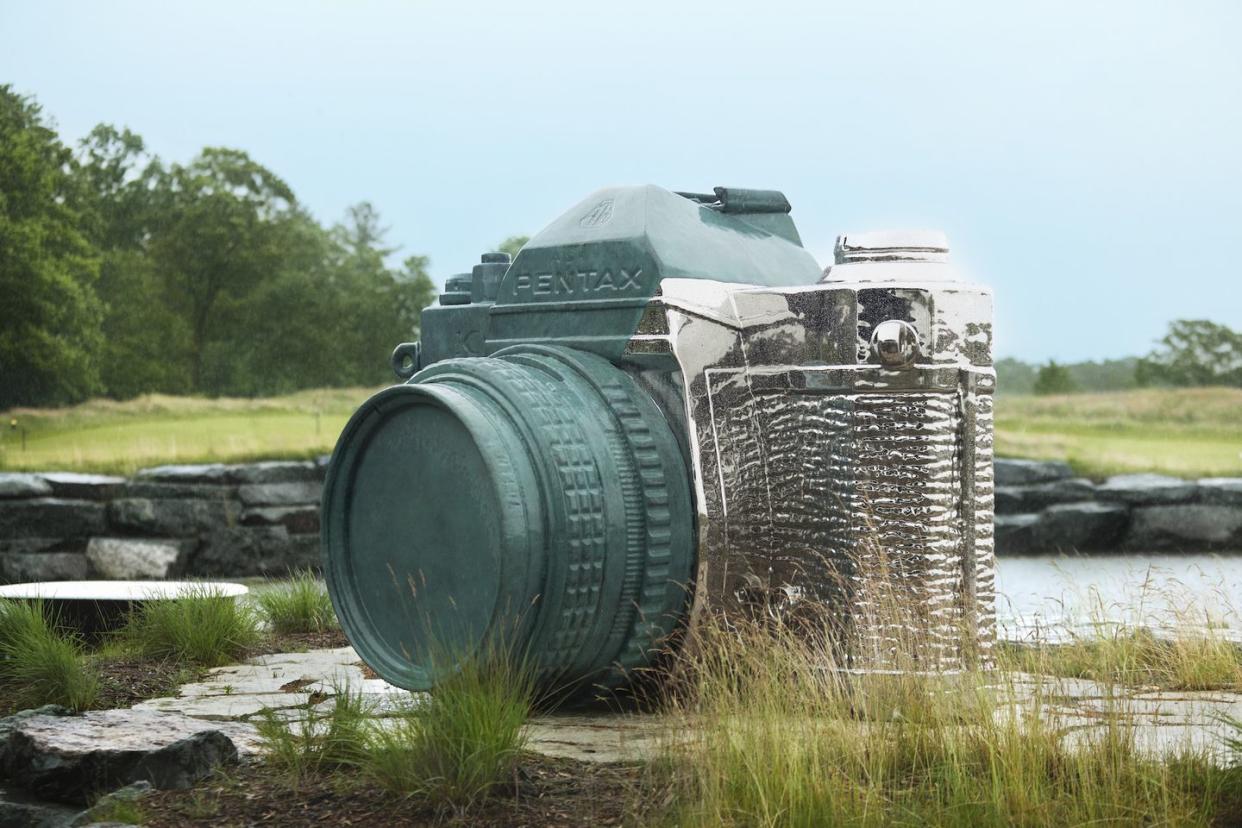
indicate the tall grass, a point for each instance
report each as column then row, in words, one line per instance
column 324, row 740
column 38, row 664
column 448, row 751
column 463, row 741
column 300, row 605
column 203, row 627
column 774, row 730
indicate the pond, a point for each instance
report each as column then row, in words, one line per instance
column 1045, row 595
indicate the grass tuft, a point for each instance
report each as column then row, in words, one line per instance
column 202, row 627
column 454, row 748
column 39, row 665
column 300, row 605
column 322, row 741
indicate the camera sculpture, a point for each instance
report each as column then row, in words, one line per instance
column 663, row 408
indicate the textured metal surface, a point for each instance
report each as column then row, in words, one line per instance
column 822, row 475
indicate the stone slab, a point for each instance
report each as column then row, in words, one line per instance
column 50, row 517
column 84, row 486
column 1184, row 527
column 1027, row 499
column 281, row 494
column 298, row 520
column 278, row 472
column 1147, row 489
column 1222, row 490
column 44, row 566
column 172, row 518
column 134, row 558
column 1012, row 472
column 19, row 484
column 217, row 473
column 70, row 758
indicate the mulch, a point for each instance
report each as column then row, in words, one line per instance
column 545, row 792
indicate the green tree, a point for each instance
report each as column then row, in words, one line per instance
column 50, row 319
column 1053, row 379
column 145, row 344
column 221, row 226
column 1194, row 352
column 512, row 245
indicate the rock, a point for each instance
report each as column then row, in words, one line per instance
column 178, row 518
column 20, row 810
column 322, row 462
column 1018, row 499
column 1029, row 472
column 215, row 473
column 1079, row 526
column 32, row 546
column 299, row 520
column 133, row 559
column 259, row 550
column 177, row 491
column 16, row 484
column 48, row 566
column 1144, row 489
column 277, row 472
column 281, row 494
column 1221, row 490
column 71, row 758
column 1014, row 534
column 50, row 517
column 84, row 486
column 105, row 806
column 1190, row 527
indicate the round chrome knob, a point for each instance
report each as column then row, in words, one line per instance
column 895, row 344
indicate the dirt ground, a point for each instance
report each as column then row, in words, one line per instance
column 544, row 792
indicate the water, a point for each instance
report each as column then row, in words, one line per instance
column 1048, row 595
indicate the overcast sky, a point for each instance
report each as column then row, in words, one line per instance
column 1084, row 157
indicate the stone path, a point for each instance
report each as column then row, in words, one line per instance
column 1165, row 722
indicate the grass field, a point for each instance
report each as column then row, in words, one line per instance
column 112, row 437
column 1192, row 432
column 1189, row 433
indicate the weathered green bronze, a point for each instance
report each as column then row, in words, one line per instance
column 663, row 403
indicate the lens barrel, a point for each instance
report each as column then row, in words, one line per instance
column 533, row 503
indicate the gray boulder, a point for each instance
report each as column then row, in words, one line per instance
column 1221, row 490
column 1029, row 472
column 33, row 546
column 84, row 486
column 134, row 559
column 45, row 566
column 71, row 758
column 1015, row 534
column 216, row 473
column 259, row 550
column 299, row 520
column 1145, row 489
column 19, row 809
column 177, row 491
column 17, row 484
column 281, row 494
column 50, row 517
column 1189, row 527
column 277, row 472
column 1068, row 527
column 1012, row 500
column 176, row 518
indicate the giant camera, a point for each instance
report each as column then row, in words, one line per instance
column 661, row 408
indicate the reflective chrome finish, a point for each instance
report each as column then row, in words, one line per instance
column 837, row 432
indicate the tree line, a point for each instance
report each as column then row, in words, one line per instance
column 1194, row 352
column 123, row 274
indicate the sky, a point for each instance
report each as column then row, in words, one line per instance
column 1085, row 158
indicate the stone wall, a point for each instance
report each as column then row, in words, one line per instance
column 165, row 522
column 263, row 518
column 1042, row 507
